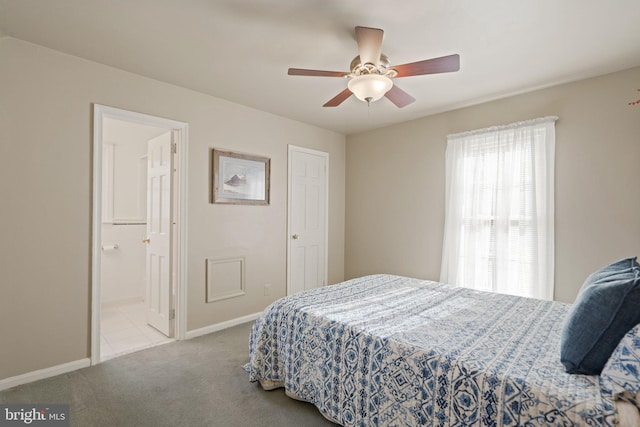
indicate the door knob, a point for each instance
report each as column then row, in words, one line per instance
column 146, row 241
column 295, row 237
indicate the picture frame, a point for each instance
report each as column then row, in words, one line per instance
column 239, row 179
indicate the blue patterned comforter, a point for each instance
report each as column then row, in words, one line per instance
column 393, row 351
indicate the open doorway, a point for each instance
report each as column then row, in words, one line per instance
column 138, row 235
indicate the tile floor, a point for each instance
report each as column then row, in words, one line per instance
column 124, row 330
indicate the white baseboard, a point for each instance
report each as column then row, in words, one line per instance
column 119, row 302
column 41, row 374
column 222, row 325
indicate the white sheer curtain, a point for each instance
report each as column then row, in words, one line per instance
column 499, row 223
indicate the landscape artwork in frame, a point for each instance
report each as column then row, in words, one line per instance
column 240, row 178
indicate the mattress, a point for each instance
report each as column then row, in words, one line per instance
column 391, row 350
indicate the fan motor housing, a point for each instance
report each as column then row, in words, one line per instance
column 358, row 68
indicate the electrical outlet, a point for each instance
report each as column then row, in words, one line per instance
column 267, row 288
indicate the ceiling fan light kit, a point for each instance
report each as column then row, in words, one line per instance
column 370, row 75
column 369, row 87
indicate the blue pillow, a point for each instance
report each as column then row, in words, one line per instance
column 607, row 306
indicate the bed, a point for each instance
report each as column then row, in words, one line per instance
column 386, row 350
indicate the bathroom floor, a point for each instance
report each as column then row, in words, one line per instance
column 124, row 330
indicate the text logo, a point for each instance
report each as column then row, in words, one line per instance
column 41, row 415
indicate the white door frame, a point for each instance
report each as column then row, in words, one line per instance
column 292, row 148
column 100, row 112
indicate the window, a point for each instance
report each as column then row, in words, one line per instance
column 499, row 224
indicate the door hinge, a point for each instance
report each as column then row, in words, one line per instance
column 172, row 314
column 174, row 147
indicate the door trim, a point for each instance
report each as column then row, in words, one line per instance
column 180, row 198
column 291, row 149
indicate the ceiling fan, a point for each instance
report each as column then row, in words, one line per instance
column 371, row 73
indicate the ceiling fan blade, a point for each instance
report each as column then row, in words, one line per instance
column 318, row 73
column 444, row 64
column 338, row 99
column 399, row 97
column 369, row 44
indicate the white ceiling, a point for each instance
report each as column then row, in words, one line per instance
column 240, row 50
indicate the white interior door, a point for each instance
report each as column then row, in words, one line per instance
column 308, row 201
column 159, row 185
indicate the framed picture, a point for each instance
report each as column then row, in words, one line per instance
column 240, row 179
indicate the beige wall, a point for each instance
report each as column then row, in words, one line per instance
column 395, row 181
column 45, row 187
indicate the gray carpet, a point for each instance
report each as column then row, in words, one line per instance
column 198, row 382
